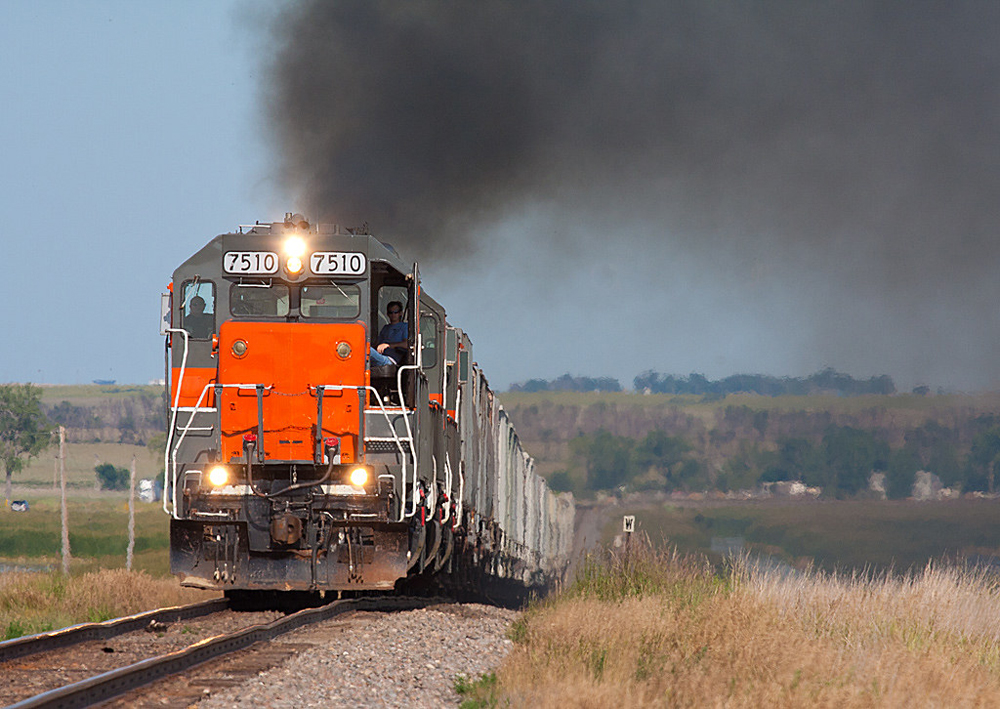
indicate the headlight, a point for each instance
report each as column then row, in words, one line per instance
column 218, row 476
column 293, row 265
column 359, row 476
column 295, row 246
column 343, row 350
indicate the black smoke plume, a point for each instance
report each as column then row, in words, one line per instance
column 855, row 141
column 873, row 122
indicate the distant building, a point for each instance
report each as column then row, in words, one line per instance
column 150, row 490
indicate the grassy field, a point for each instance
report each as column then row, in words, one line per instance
column 98, row 534
column 81, row 458
column 830, row 534
column 665, row 630
column 98, row 586
column 38, row 602
column 89, row 394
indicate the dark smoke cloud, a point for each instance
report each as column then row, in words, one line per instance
column 855, row 140
column 874, row 122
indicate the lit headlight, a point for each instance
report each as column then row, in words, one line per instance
column 295, row 247
column 218, row 476
column 293, row 265
column 359, row 476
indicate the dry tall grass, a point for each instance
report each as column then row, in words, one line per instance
column 665, row 631
column 34, row 602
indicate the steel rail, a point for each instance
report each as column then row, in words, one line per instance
column 109, row 685
column 45, row 642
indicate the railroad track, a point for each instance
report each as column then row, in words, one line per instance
column 24, row 661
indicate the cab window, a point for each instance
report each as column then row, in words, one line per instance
column 198, row 309
column 428, row 337
column 258, row 300
column 339, row 301
column 386, row 295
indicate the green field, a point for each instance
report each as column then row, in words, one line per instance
column 98, row 533
column 89, row 394
column 81, row 459
column 830, row 534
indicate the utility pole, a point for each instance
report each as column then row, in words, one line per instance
column 65, row 514
column 131, row 516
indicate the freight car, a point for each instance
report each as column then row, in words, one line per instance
column 300, row 458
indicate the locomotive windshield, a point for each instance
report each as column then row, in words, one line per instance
column 342, row 301
column 264, row 300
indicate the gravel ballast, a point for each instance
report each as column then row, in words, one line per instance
column 405, row 659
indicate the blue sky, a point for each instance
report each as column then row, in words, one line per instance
column 130, row 137
column 134, row 132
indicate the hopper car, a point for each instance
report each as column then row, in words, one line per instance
column 300, row 457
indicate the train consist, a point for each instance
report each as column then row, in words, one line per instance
column 330, row 431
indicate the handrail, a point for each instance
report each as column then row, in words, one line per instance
column 395, row 438
column 414, row 494
column 461, row 492
column 173, row 419
column 170, row 454
column 173, row 453
column 447, row 485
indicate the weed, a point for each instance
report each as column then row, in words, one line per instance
column 15, row 629
column 477, row 694
column 518, row 630
column 99, row 615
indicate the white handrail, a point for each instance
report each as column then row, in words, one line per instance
column 395, row 437
column 409, row 432
column 187, row 427
column 170, row 453
column 447, row 486
column 461, row 492
column 173, row 419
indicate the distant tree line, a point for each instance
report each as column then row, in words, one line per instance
column 134, row 417
column 825, row 381
column 605, row 461
column 569, row 383
column 840, row 462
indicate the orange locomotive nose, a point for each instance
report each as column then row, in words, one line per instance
column 273, row 375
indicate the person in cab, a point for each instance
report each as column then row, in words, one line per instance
column 197, row 322
column 392, row 340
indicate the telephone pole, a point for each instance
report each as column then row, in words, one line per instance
column 131, row 516
column 65, row 515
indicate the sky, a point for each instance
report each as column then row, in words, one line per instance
column 591, row 188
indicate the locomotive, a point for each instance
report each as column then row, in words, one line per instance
column 304, row 455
